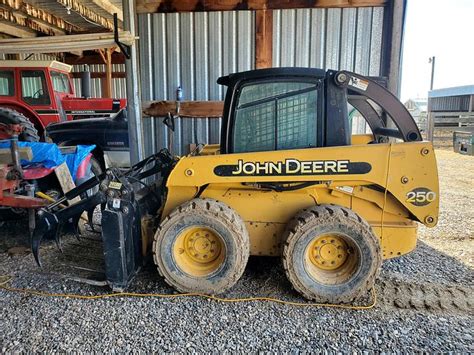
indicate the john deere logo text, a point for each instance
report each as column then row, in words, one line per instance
column 292, row 167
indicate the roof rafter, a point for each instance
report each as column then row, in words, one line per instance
column 57, row 25
column 110, row 8
column 23, row 22
column 14, row 30
column 87, row 13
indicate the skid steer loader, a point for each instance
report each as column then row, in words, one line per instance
column 288, row 179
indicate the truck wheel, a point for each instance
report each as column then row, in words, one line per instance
column 202, row 246
column 331, row 254
column 9, row 116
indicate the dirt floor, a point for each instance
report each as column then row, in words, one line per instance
column 424, row 299
column 454, row 234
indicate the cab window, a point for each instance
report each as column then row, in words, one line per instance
column 60, row 82
column 7, row 86
column 33, row 87
column 275, row 116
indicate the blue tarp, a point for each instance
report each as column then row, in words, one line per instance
column 50, row 156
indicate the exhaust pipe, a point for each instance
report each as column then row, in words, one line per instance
column 86, row 82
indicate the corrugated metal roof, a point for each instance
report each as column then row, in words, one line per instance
column 454, row 91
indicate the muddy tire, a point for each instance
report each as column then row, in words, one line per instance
column 9, row 116
column 202, row 246
column 331, row 254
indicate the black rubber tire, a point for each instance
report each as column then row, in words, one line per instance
column 29, row 134
column 211, row 214
column 318, row 220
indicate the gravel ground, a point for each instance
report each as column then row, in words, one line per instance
column 443, row 260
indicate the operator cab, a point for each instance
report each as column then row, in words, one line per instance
column 297, row 108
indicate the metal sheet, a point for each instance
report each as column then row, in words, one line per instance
column 192, row 50
column 119, row 89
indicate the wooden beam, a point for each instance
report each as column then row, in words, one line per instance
column 198, row 109
column 263, row 39
column 33, row 13
column 25, row 153
column 94, row 58
column 107, row 81
column 100, row 75
column 16, row 31
column 151, row 6
column 110, row 8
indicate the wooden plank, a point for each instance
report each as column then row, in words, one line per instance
column 212, row 109
column 110, row 8
column 94, row 58
column 6, row 155
column 100, row 75
column 34, row 13
column 65, row 179
column 16, row 31
column 164, row 6
column 263, row 39
column 107, row 81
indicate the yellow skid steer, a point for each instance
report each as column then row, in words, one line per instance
column 288, row 179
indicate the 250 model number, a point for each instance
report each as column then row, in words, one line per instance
column 421, row 196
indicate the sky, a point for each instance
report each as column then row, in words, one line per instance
column 440, row 28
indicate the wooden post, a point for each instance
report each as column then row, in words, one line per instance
column 108, row 73
column 263, row 39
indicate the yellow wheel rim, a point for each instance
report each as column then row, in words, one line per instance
column 199, row 251
column 331, row 258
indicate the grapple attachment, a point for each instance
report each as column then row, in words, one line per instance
column 124, row 200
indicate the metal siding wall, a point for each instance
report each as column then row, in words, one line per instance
column 191, row 50
column 450, row 104
column 119, row 89
column 194, row 49
column 349, row 38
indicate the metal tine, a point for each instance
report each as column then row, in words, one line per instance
column 75, row 223
column 83, row 257
column 90, row 218
column 76, row 279
column 88, row 281
column 57, row 237
column 83, row 268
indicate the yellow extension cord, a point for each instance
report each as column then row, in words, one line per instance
column 158, row 295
